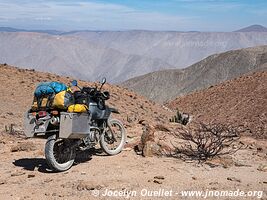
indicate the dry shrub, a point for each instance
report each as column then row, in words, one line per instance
column 206, row 141
column 10, row 130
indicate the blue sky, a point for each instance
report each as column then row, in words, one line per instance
column 177, row 15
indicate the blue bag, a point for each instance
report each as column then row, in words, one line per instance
column 47, row 88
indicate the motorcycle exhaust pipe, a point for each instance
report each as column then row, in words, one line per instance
column 54, row 121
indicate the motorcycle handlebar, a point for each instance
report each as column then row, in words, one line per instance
column 94, row 91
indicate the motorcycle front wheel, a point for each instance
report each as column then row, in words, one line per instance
column 113, row 138
column 59, row 154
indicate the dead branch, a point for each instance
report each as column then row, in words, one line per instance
column 207, row 141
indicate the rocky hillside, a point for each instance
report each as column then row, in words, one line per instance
column 241, row 101
column 162, row 86
column 26, row 175
column 17, row 87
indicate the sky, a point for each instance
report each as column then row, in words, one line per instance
column 163, row 15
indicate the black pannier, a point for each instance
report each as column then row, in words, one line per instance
column 81, row 98
column 88, row 90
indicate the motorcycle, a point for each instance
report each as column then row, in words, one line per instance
column 67, row 133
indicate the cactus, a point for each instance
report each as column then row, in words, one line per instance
column 10, row 129
column 178, row 118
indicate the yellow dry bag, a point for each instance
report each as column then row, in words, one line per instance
column 77, row 108
column 63, row 100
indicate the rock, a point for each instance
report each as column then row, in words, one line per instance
column 240, row 164
column 225, row 162
column 161, row 127
column 151, row 149
column 148, row 133
column 127, row 149
column 213, row 183
column 132, row 118
column 259, row 149
column 159, row 177
column 234, row 179
column 157, row 181
column 211, row 164
column 147, row 146
column 31, row 175
column 86, row 185
column 48, row 180
column 69, row 184
column 18, row 173
column 24, row 146
column 194, row 178
column 262, row 168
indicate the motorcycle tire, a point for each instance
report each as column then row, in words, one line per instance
column 103, row 142
column 55, row 159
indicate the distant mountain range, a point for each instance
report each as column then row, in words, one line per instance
column 162, row 86
column 253, row 28
column 52, row 32
column 72, row 56
column 118, row 55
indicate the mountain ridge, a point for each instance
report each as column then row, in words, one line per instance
column 253, row 28
column 70, row 56
column 162, row 86
column 117, row 55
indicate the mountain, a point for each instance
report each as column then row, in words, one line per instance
column 72, row 56
column 241, row 101
column 10, row 29
column 253, row 28
column 165, row 85
column 178, row 49
column 119, row 55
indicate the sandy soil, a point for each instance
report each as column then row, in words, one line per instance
column 25, row 175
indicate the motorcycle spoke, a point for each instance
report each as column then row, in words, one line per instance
column 113, row 136
column 60, row 153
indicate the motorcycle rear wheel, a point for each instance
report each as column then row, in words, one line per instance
column 59, row 156
column 107, row 143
